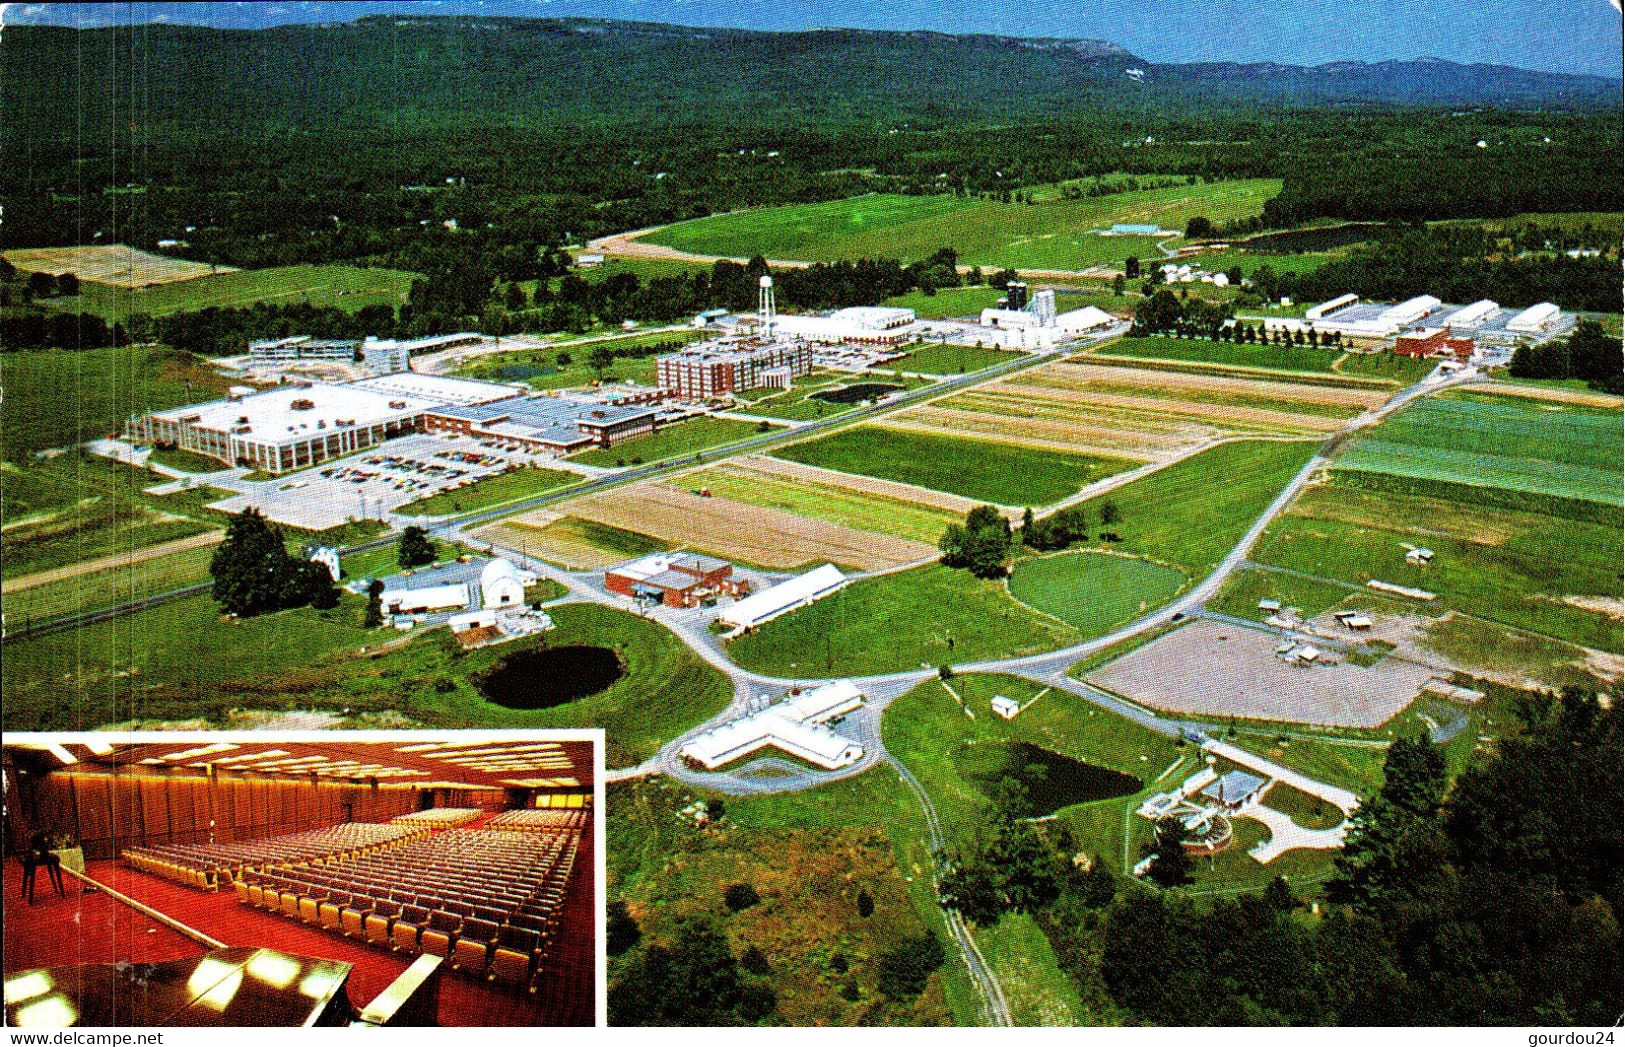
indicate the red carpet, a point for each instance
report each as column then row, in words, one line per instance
column 44, row 935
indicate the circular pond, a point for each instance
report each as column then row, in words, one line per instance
column 543, row 677
column 851, row 394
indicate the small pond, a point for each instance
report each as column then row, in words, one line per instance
column 542, row 677
column 851, row 394
column 1053, row 781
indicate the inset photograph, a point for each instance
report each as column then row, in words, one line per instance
column 406, row 880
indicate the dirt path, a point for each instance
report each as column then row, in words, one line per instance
column 632, row 245
column 151, row 552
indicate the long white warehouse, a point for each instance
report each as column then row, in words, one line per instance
column 783, row 598
column 795, row 726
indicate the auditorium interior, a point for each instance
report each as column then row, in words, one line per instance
column 415, row 881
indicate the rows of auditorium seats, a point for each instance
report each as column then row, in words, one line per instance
column 211, row 865
column 439, row 817
column 488, row 901
column 542, row 821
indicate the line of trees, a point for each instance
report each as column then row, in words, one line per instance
column 1588, row 354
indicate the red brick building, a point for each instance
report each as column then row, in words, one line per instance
column 1435, row 343
column 675, row 579
column 723, row 366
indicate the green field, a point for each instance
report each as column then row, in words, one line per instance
column 1054, row 235
column 1235, row 354
column 800, row 404
column 76, row 507
column 1545, row 448
column 865, row 512
column 108, row 587
column 1407, row 370
column 1000, row 473
column 1241, row 592
column 545, row 368
column 1190, row 514
column 55, row 397
column 334, row 286
column 1529, row 561
column 928, row 615
column 1094, row 592
column 953, row 359
column 671, row 441
column 948, row 301
column 184, row 661
column 493, row 490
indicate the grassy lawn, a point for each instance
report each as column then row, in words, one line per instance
column 1094, row 592
column 1192, row 513
column 182, row 660
column 948, row 301
column 186, row 461
column 807, row 854
column 563, row 364
column 1052, row 235
column 1311, row 812
column 1555, row 449
column 323, row 286
column 1406, row 370
column 803, row 404
column 492, row 490
column 56, row 398
column 1233, row 871
column 108, row 587
column 1236, row 354
column 672, row 441
column 1530, row 564
column 1004, row 474
column 929, row 615
column 1239, row 595
column 953, row 359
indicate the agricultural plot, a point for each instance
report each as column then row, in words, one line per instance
column 569, row 541
column 1145, row 413
column 1267, row 357
column 757, row 535
column 69, row 592
column 1564, row 450
column 930, row 615
column 1054, row 235
column 672, row 441
column 980, row 469
column 57, row 398
column 338, row 286
column 863, row 502
column 116, row 265
column 1095, row 592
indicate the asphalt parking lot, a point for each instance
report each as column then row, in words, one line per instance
column 374, row 482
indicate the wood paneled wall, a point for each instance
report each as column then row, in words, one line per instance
column 106, row 812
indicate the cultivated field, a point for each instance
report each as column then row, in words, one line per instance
column 114, row 264
column 1560, row 449
column 1216, row 669
column 1268, row 357
column 863, row 502
column 1147, row 413
column 569, row 541
column 1051, row 235
column 750, row 534
column 998, row 472
column 337, row 286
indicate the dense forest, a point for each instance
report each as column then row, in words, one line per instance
column 1493, row 900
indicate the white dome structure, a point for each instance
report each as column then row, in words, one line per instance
column 501, row 586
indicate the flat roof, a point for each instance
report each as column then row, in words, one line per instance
column 553, row 419
column 436, row 388
column 271, row 417
column 655, row 567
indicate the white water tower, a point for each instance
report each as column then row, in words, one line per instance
column 765, row 306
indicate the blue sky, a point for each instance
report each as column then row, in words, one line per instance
column 1558, row 35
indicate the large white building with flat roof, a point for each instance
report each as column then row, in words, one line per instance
column 798, row 726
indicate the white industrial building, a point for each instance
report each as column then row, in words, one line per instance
column 1484, row 320
column 860, row 325
column 797, row 726
column 1535, row 320
column 427, row 600
column 783, row 598
column 501, row 585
